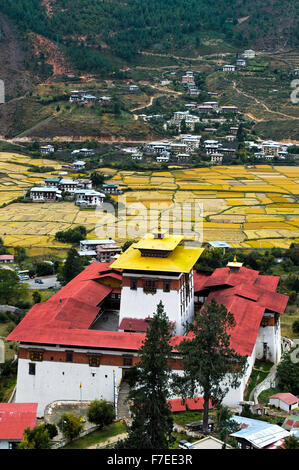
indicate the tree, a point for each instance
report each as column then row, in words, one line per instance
column 288, row 374
column 225, row 422
column 11, row 291
column 73, row 265
column 210, row 364
column 36, row 438
column 97, row 178
column 127, row 245
column 152, row 420
column 36, row 297
column 70, row 426
column 291, row 442
column 101, row 413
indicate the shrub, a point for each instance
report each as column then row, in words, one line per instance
column 101, row 412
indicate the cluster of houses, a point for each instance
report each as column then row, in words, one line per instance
column 84, row 98
column 240, row 61
column 188, row 82
column 79, row 189
column 205, row 109
column 103, row 251
column 269, row 149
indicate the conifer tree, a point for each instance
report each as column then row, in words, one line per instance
column 211, row 366
column 152, row 421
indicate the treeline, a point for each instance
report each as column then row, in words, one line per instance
column 85, row 27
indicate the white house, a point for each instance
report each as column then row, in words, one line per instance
column 229, row 68
column 14, row 419
column 44, row 193
column 47, row 149
column 284, row 401
column 89, row 197
column 79, row 165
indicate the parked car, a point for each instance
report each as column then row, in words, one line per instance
column 185, row 445
column 38, row 281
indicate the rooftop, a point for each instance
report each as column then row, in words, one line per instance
column 14, row 418
column 181, row 258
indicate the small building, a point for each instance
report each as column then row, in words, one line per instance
column 107, row 251
column 229, row 109
column 296, row 71
column 241, row 62
column 216, row 158
column 52, row 182
column 6, row 259
column 183, row 157
column 68, row 185
column 111, row 189
column 284, row 401
column 257, row 434
column 89, row 198
column 210, row 442
column 79, row 165
column 45, row 194
column 291, row 424
column 89, row 247
column 84, row 184
column 134, row 88
column 14, row 419
column 47, row 149
column 162, row 158
column 249, row 54
column 229, row 68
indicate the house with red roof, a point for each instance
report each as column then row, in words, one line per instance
column 14, row 419
column 81, row 342
column 284, row 401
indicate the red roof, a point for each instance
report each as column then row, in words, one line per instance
column 194, row 404
column 134, row 324
column 6, row 257
column 288, row 398
column 177, row 405
column 199, row 280
column 15, row 417
column 191, row 404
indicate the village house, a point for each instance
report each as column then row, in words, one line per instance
column 90, row 248
column 52, row 182
column 14, row 419
column 44, row 193
column 229, row 109
column 284, row 401
column 191, row 141
column 241, row 62
column 134, row 88
column 257, row 434
column 64, row 342
column 249, row 54
column 163, row 158
column 79, row 165
column 6, row 259
column 182, row 157
column 68, row 185
column 229, row 68
column 88, row 198
column 47, row 149
column 216, row 158
column 111, row 189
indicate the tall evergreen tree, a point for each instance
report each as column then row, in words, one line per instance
column 72, row 267
column 210, row 364
column 152, row 420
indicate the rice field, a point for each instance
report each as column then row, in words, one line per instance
column 246, row 207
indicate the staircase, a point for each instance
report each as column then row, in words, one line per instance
column 122, row 403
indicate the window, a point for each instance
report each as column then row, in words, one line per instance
column 36, row 355
column 149, row 286
column 69, row 356
column 94, row 360
column 31, row 368
column 133, row 284
column 166, row 286
column 127, row 360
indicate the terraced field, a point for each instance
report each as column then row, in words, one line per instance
column 253, row 207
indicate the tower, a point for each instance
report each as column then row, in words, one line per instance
column 158, row 268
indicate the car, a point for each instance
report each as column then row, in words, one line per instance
column 38, row 281
column 185, row 445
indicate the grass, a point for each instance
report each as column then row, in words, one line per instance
column 266, row 394
column 186, row 417
column 257, row 376
column 97, row 437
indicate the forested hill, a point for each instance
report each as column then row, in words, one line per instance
column 87, row 29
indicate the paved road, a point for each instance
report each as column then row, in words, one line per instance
column 48, row 282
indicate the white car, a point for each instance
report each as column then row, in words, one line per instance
column 185, row 445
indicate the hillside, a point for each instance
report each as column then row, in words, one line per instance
column 92, row 33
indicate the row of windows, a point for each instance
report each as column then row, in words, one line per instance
column 149, row 285
column 93, row 359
